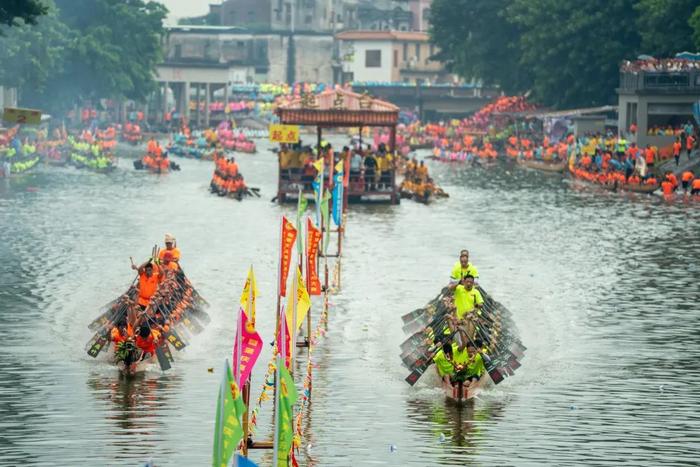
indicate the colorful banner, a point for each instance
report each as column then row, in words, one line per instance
column 289, row 236
column 26, row 116
column 244, row 461
column 251, row 346
column 338, row 194
column 326, row 220
column 287, row 340
column 302, row 203
column 284, row 133
column 303, row 303
column 228, row 431
column 313, row 238
column 250, row 295
column 285, row 415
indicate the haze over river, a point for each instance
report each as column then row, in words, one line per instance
column 604, row 289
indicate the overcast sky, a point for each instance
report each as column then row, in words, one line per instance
column 184, row 8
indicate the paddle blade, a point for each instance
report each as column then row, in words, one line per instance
column 173, row 338
column 162, row 359
column 496, row 375
column 99, row 344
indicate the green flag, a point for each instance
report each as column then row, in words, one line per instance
column 285, row 416
column 326, row 220
column 301, row 209
column 229, row 409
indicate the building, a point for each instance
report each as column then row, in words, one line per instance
column 200, row 60
column 389, row 56
column 657, row 94
column 283, row 15
column 321, row 15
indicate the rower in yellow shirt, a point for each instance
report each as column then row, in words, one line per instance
column 443, row 362
column 467, row 300
column 461, row 269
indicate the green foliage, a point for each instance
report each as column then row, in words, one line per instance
column 574, row 53
column 477, row 40
column 17, row 12
column 565, row 51
column 85, row 49
column 663, row 26
column 694, row 23
column 32, row 55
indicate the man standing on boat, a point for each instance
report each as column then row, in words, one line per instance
column 462, row 269
column 171, row 248
column 467, row 299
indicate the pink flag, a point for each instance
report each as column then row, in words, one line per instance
column 251, row 345
column 286, row 348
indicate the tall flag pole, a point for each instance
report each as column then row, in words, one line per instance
column 228, row 431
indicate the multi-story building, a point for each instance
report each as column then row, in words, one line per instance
column 389, row 56
column 657, row 94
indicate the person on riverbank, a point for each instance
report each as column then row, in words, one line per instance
column 695, row 187
column 677, row 150
column 686, row 180
column 689, row 144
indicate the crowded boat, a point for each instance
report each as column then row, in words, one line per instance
column 18, row 154
column 160, row 310
column 156, row 159
column 418, row 185
column 228, row 181
column 469, row 337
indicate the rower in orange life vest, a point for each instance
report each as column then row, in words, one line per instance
column 146, row 340
column 170, row 246
column 148, row 282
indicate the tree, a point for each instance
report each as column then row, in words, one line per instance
column 694, row 23
column 116, row 47
column 477, row 40
column 31, row 55
column 26, row 11
column 664, row 26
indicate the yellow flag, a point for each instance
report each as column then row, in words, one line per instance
column 339, row 166
column 319, row 164
column 249, row 295
column 303, row 303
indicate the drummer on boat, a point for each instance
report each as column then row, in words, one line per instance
column 461, row 269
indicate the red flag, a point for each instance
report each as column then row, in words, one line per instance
column 251, row 346
column 289, row 236
column 287, row 339
column 313, row 238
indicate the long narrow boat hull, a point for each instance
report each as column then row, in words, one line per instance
column 543, row 166
column 461, row 393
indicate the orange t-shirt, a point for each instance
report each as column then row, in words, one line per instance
column 649, row 155
column 687, row 176
column 676, row 148
column 175, row 252
column 147, row 287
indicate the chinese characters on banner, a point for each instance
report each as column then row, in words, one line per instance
column 251, row 346
column 284, row 133
column 289, row 236
column 313, row 238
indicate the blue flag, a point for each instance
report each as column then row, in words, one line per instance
column 244, row 461
column 338, row 198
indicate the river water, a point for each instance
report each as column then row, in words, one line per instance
column 604, row 288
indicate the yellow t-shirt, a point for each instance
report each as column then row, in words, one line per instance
column 458, row 272
column 466, row 300
column 443, row 365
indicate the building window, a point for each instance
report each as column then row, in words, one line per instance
column 405, row 52
column 418, row 52
column 373, row 58
column 432, row 50
column 396, row 58
column 178, row 51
